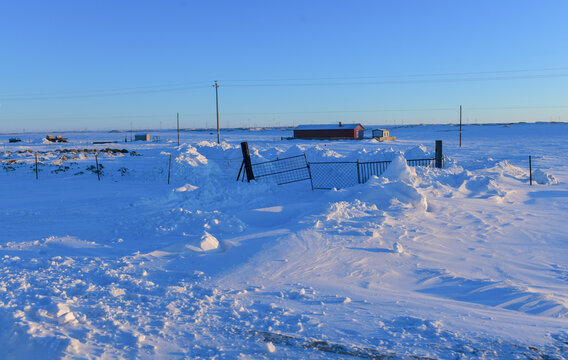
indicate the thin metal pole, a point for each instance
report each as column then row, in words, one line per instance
column 460, row 126
column 169, row 168
column 240, row 170
column 217, row 104
column 530, row 170
column 36, row 165
column 178, row 128
column 97, row 162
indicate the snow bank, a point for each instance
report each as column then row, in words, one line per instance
column 188, row 155
column 396, row 188
column 398, row 170
column 418, row 152
column 544, row 178
column 187, row 187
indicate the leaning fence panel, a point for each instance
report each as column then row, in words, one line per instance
column 283, row 171
column 330, row 175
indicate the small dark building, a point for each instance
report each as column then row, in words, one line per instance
column 330, row 131
column 142, row 137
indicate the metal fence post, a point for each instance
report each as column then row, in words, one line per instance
column 439, row 155
column 246, row 159
column 309, row 171
column 530, row 170
column 98, row 171
column 169, row 168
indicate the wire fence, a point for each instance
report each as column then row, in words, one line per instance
column 114, row 165
column 366, row 170
column 283, row 171
column 325, row 175
column 336, row 174
column 423, row 162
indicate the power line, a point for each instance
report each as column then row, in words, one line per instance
column 101, row 94
column 401, row 75
column 299, row 82
column 425, row 81
column 165, row 115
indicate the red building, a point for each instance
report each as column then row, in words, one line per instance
column 329, row 131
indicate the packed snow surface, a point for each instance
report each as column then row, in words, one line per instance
column 464, row 262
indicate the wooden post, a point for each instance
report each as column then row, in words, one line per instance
column 36, row 166
column 217, row 106
column 246, row 159
column 177, row 127
column 169, row 168
column 98, row 172
column 530, row 170
column 439, row 160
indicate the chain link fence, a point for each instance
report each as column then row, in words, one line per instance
column 336, row 174
column 325, row 175
column 283, row 171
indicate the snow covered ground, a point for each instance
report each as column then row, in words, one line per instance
column 464, row 262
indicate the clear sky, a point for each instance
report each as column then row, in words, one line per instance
column 104, row 64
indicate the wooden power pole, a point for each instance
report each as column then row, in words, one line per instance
column 177, row 127
column 216, row 86
column 460, row 126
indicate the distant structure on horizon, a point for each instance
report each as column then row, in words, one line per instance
column 330, row 131
column 383, row 135
column 142, row 137
column 57, row 138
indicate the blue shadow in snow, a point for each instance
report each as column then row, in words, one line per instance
column 548, row 194
column 374, row 250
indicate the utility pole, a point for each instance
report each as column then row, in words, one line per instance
column 460, row 126
column 216, row 86
column 178, row 126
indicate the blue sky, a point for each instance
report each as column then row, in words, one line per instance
column 98, row 64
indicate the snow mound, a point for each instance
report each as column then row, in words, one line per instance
column 210, row 144
column 319, row 152
column 293, row 151
column 506, row 168
column 208, row 242
column 187, row 187
column 398, row 170
column 544, row 178
column 418, row 152
column 396, row 188
column 482, row 187
column 394, row 194
column 397, row 248
column 377, row 154
column 190, row 156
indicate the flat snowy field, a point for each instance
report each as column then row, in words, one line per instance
column 464, row 262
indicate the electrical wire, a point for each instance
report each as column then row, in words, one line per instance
column 299, row 82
